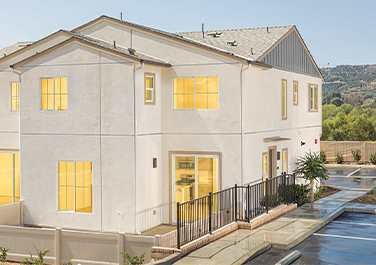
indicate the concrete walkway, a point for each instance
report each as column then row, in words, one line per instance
column 283, row 232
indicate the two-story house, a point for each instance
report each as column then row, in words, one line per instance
column 107, row 126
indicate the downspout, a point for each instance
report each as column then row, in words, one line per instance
column 135, row 143
column 242, row 120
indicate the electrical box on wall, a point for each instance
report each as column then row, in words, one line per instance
column 278, row 155
column 154, row 162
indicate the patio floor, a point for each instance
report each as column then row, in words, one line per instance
column 159, row 230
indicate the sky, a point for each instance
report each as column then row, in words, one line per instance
column 336, row 32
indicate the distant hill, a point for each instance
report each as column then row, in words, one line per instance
column 356, row 84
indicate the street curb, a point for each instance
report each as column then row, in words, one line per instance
column 167, row 260
column 289, row 258
column 263, row 248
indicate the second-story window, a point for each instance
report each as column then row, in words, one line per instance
column 284, row 99
column 295, row 91
column 149, row 88
column 313, row 98
column 200, row 93
column 54, row 93
column 15, row 95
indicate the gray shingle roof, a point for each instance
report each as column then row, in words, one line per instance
column 250, row 42
column 12, row 48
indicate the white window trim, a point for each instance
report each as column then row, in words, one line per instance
column 311, row 101
column 287, row 159
column 57, row 186
column 194, row 77
column 53, row 93
column 297, row 92
column 284, row 117
column 11, row 97
column 152, row 101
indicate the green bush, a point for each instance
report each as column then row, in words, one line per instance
column 3, row 255
column 301, row 194
column 357, row 155
column 373, row 191
column 133, row 260
column 319, row 192
column 372, row 158
column 339, row 158
column 39, row 260
column 323, row 156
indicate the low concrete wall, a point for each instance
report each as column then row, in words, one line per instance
column 75, row 246
column 12, row 214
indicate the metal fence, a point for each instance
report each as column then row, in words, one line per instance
column 331, row 148
column 203, row 215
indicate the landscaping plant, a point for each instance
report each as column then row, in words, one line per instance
column 357, row 155
column 133, row 260
column 373, row 191
column 323, row 156
column 301, row 194
column 39, row 260
column 311, row 168
column 339, row 158
column 3, row 255
column 372, row 158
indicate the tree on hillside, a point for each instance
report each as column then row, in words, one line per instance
column 336, row 101
column 362, row 129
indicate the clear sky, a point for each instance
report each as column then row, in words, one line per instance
column 335, row 31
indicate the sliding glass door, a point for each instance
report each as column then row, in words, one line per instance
column 193, row 176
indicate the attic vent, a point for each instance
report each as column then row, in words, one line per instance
column 214, row 34
column 232, row 43
column 131, row 51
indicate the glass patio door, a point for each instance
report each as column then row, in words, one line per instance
column 193, row 176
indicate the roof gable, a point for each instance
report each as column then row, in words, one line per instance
column 290, row 53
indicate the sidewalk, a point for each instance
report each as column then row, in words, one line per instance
column 283, row 232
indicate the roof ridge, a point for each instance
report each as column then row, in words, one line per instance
column 199, row 31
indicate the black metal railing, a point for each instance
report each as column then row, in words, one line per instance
column 203, row 215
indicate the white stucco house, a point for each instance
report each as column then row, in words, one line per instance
column 107, row 126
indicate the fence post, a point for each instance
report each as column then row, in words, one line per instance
column 178, row 224
column 267, row 195
column 210, row 212
column 249, row 202
column 293, row 188
column 57, row 245
column 236, row 201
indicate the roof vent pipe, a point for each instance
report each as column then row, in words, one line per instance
column 202, row 29
column 115, row 44
column 121, row 16
column 267, row 29
column 251, row 50
column 131, row 51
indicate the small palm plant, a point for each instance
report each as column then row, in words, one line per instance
column 311, row 168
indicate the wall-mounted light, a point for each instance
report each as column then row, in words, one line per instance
column 302, row 143
column 154, row 162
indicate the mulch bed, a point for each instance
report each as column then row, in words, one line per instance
column 366, row 199
column 329, row 191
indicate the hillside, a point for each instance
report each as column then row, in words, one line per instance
column 356, row 84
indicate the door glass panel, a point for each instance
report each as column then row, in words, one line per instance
column 207, row 181
column 6, row 175
column 184, row 179
column 16, row 168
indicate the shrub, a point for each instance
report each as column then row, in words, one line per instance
column 339, row 158
column 319, row 192
column 357, row 155
column 372, row 158
column 133, row 260
column 67, row 263
column 3, row 255
column 39, row 260
column 301, row 194
column 373, row 191
column 323, row 156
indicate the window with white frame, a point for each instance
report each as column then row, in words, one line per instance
column 54, row 93
column 75, row 186
column 313, row 97
column 199, row 93
column 149, row 88
column 295, row 92
column 284, row 99
column 284, row 160
column 15, row 96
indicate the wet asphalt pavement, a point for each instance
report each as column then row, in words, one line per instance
column 349, row 239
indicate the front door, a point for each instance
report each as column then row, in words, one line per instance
column 193, row 176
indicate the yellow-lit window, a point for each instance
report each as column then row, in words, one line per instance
column 54, row 93
column 75, row 186
column 9, row 178
column 184, row 93
column 284, row 99
column 196, row 93
column 207, row 92
column 264, row 166
column 313, row 97
column 15, row 94
column 149, row 88
column 284, row 160
column 295, row 95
